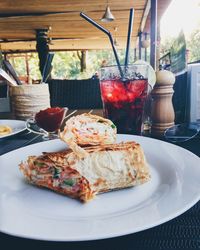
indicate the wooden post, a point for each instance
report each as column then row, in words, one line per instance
column 82, row 58
column 154, row 18
column 145, row 50
column 27, row 68
column 140, row 45
column 135, row 54
column 158, row 46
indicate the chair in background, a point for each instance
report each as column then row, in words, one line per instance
column 4, row 99
column 3, row 90
column 75, row 94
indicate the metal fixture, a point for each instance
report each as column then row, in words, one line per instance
column 107, row 16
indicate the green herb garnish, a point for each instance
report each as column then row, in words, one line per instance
column 113, row 126
column 39, row 164
column 56, row 173
column 69, row 182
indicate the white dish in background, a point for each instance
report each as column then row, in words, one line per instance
column 16, row 125
column 36, row 213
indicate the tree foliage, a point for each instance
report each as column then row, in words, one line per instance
column 67, row 65
column 192, row 45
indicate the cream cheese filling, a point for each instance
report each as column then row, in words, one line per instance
column 97, row 127
column 110, row 166
column 87, row 126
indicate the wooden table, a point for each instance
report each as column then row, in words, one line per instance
column 99, row 112
column 182, row 232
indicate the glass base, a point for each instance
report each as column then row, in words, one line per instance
column 182, row 132
column 50, row 136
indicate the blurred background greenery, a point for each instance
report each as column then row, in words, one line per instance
column 67, row 65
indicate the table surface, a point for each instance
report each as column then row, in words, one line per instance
column 183, row 232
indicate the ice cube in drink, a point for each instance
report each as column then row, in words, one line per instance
column 123, row 103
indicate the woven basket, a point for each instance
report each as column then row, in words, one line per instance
column 27, row 100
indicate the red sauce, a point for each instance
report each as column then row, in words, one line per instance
column 50, row 119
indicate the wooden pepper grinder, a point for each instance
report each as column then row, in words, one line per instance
column 162, row 109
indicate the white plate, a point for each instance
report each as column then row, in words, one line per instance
column 31, row 212
column 16, row 125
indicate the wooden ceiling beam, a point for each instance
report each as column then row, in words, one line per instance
column 60, row 24
column 36, row 6
column 77, row 44
column 69, row 25
column 65, row 22
column 63, row 16
column 63, row 32
column 96, row 15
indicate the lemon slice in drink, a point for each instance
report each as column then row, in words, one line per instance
column 151, row 72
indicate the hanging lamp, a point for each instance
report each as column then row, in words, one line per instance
column 107, row 16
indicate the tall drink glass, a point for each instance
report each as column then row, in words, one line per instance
column 124, row 99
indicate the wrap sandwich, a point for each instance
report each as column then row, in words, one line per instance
column 100, row 169
column 88, row 129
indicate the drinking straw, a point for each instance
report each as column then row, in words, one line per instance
column 98, row 26
column 10, row 81
column 11, row 70
column 47, row 76
column 47, row 66
column 130, row 27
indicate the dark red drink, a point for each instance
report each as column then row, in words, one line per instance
column 50, row 119
column 123, row 103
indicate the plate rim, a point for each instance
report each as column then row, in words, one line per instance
column 13, row 133
column 126, row 232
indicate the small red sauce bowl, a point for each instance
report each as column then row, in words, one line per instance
column 50, row 119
